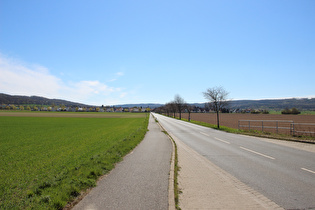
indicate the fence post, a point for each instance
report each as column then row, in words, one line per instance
column 277, row 126
column 262, row 126
column 249, row 125
column 293, row 128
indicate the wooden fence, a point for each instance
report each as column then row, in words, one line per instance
column 278, row 126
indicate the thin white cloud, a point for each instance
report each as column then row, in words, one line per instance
column 120, row 74
column 117, row 75
column 21, row 79
column 122, row 95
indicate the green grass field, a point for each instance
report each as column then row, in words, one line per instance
column 47, row 161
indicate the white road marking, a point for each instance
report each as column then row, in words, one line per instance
column 216, row 138
column 308, row 170
column 204, row 134
column 222, row 140
column 257, row 153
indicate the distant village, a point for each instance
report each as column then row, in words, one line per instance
column 64, row 108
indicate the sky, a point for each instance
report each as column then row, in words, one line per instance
column 138, row 51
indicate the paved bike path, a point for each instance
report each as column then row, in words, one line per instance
column 140, row 181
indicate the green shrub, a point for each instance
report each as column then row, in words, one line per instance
column 290, row 111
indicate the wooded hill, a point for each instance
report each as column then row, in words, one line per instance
column 22, row 100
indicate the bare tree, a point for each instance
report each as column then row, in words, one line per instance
column 180, row 104
column 217, row 97
column 172, row 107
column 168, row 108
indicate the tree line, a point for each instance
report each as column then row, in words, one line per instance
column 217, row 98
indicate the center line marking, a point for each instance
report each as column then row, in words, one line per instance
column 204, row 134
column 257, row 153
column 222, row 140
column 308, row 170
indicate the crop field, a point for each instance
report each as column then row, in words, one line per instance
column 46, row 161
column 231, row 120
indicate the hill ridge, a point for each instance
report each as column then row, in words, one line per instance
column 20, row 100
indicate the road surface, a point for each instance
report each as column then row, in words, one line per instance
column 285, row 175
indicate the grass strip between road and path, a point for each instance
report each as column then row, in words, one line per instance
column 176, row 170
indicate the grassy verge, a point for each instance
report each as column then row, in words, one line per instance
column 176, row 170
column 46, row 162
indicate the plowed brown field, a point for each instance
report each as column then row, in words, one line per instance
column 232, row 120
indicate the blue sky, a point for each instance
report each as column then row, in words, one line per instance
column 118, row 52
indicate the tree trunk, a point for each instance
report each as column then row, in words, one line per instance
column 218, row 123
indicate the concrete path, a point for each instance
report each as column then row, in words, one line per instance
column 140, row 181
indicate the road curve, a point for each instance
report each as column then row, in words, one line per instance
column 140, row 181
column 284, row 177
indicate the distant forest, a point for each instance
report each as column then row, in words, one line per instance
column 23, row 100
column 267, row 104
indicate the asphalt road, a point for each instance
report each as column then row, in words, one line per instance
column 283, row 174
column 140, row 181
